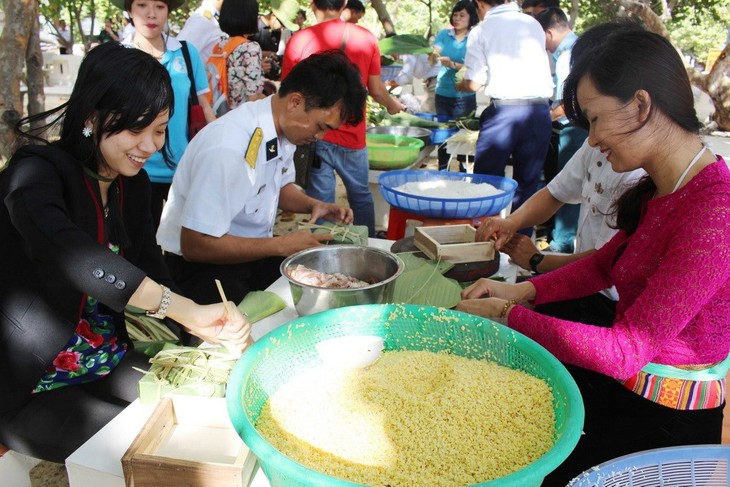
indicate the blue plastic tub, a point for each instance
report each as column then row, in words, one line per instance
column 686, row 466
column 445, row 208
column 433, row 117
column 388, row 73
column 439, row 136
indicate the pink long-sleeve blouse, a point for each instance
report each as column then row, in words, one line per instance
column 673, row 279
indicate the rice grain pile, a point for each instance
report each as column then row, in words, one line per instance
column 449, row 189
column 412, row 418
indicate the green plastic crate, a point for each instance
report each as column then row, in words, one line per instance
column 287, row 350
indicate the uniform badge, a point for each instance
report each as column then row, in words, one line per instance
column 272, row 149
column 252, row 151
column 208, row 14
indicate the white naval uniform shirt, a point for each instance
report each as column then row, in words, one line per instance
column 589, row 180
column 216, row 192
column 506, row 53
column 202, row 30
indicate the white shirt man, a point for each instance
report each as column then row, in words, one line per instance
column 202, row 29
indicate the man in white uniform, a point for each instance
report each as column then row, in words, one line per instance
column 417, row 66
column 202, row 29
column 219, row 218
column 505, row 55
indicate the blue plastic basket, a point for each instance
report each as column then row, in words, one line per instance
column 685, row 466
column 445, row 208
column 433, row 117
column 391, row 72
column 439, row 136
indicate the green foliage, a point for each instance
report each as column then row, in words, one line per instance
column 698, row 30
column 405, row 44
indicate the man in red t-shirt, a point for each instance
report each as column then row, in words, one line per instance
column 342, row 150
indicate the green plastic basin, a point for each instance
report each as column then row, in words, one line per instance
column 289, row 349
column 387, row 151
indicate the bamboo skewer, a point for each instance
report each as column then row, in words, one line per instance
column 226, row 303
column 223, row 296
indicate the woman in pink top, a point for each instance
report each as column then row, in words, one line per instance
column 656, row 376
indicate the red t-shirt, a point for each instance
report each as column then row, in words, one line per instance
column 361, row 48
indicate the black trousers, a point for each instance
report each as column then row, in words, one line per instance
column 617, row 420
column 51, row 425
column 197, row 280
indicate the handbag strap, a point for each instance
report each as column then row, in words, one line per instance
column 188, row 65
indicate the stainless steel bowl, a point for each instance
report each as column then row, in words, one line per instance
column 417, row 132
column 365, row 263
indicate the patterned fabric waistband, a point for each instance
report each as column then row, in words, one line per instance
column 678, row 393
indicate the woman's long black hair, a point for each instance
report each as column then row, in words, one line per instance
column 119, row 88
column 627, row 61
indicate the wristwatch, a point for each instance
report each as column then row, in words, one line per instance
column 535, row 261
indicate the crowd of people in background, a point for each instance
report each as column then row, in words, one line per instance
column 599, row 128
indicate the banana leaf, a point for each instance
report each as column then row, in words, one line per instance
column 409, row 120
column 257, row 305
column 427, row 286
column 412, row 262
column 343, row 234
column 404, row 44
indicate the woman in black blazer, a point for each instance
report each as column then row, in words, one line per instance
column 77, row 245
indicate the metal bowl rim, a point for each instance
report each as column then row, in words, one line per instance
column 399, row 270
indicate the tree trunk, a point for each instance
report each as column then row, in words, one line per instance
column 715, row 83
column 13, row 48
column 717, row 87
column 383, row 16
column 34, row 72
column 574, row 10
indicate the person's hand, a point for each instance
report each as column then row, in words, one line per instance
column 447, row 62
column 486, row 288
column 492, row 308
column 332, row 212
column 394, row 106
column 487, row 297
column 498, row 228
column 390, row 84
column 213, row 323
column 293, row 242
column 520, row 248
column 266, row 64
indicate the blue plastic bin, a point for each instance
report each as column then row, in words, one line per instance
column 433, row 117
column 388, row 73
column 685, row 466
column 445, row 208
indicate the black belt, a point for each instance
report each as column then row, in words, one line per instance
column 497, row 102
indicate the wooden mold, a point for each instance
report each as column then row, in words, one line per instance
column 455, row 243
column 189, row 441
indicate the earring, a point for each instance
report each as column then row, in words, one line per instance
column 87, row 132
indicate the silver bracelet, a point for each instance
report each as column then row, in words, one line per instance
column 164, row 303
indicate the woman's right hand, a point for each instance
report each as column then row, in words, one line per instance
column 522, row 293
column 213, row 323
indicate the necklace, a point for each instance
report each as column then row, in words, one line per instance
column 96, row 176
column 690, row 166
column 150, row 49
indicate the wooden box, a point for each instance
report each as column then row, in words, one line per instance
column 188, row 440
column 455, row 243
